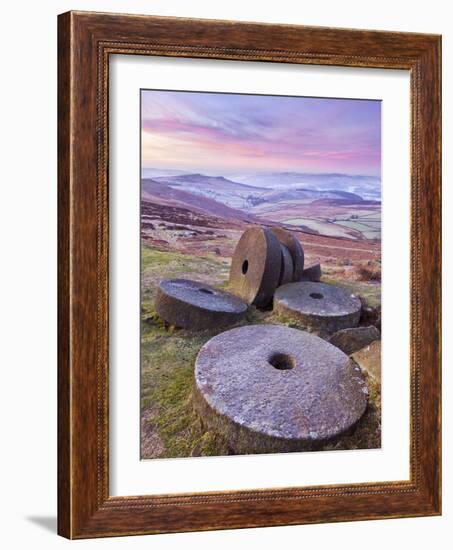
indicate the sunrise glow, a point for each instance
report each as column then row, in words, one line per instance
column 220, row 133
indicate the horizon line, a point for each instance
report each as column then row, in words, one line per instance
column 222, row 172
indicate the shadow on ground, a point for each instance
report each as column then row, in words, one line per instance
column 49, row 523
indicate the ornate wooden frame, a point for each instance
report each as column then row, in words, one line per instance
column 85, row 41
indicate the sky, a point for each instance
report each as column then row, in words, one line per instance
column 222, row 133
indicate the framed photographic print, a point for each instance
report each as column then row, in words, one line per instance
column 249, row 275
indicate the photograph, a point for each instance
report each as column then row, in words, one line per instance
column 246, row 209
column 260, row 274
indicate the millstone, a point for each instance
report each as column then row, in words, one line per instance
column 270, row 388
column 295, row 249
column 196, row 306
column 255, row 267
column 318, row 305
column 287, row 267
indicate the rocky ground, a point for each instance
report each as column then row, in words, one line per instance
column 170, row 428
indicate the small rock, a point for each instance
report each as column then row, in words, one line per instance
column 350, row 340
column 369, row 359
column 312, row 273
column 370, row 315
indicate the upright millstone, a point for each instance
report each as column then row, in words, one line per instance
column 270, row 388
column 196, row 306
column 318, row 306
column 295, row 249
column 287, row 267
column 256, row 265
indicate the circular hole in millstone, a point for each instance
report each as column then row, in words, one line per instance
column 245, row 266
column 281, row 361
column 316, row 295
column 205, row 291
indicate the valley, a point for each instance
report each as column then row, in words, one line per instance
column 352, row 210
column 205, row 215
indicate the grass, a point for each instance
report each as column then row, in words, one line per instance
column 168, row 356
column 370, row 273
column 156, row 264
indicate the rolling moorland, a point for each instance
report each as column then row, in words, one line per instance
column 190, row 226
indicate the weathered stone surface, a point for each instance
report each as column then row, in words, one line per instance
column 369, row 359
column 270, row 388
column 350, row 340
column 255, row 267
column 287, row 267
column 196, row 306
column 295, row 249
column 312, row 273
column 370, row 315
column 318, row 306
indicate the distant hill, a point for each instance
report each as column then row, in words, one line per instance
column 344, row 202
column 154, row 172
column 245, row 197
column 165, row 194
column 281, row 198
column 218, row 188
column 368, row 187
column 201, row 180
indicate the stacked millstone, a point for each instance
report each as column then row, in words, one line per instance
column 270, row 388
column 265, row 259
column 268, row 267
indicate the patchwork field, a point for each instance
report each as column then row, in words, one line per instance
column 333, row 218
column 179, row 230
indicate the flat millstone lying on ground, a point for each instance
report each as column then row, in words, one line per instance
column 255, row 266
column 270, row 388
column 197, row 306
column 318, row 306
